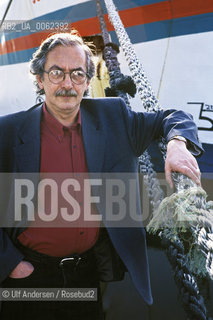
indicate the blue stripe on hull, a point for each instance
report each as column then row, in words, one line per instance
column 169, row 28
column 126, row 4
column 17, row 57
column 141, row 33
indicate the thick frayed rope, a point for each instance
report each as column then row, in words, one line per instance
column 182, row 214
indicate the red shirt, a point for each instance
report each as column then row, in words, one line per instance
column 62, row 151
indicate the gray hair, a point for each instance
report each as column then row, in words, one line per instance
column 63, row 39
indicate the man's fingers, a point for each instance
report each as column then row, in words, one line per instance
column 168, row 174
column 22, row 270
column 179, row 159
column 192, row 173
column 189, row 170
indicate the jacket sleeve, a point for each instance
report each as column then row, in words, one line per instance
column 144, row 127
column 10, row 256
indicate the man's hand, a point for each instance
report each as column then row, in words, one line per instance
column 179, row 159
column 22, row 270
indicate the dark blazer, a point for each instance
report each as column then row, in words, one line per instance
column 113, row 137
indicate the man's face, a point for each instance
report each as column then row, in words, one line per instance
column 66, row 59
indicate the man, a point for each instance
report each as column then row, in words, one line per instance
column 69, row 133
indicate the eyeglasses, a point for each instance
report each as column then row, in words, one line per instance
column 77, row 76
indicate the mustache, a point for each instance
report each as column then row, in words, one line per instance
column 66, row 93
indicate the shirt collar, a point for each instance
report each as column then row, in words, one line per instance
column 55, row 127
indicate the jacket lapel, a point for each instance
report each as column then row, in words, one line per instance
column 27, row 150
column 94, row 141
